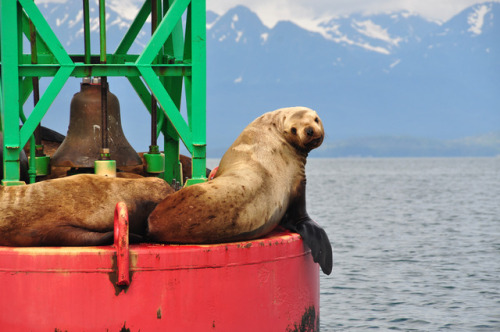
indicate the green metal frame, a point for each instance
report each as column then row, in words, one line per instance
column 172, row 57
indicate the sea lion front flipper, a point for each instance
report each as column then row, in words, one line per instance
column 317, row 240
column 297, row 220
column 75, row 236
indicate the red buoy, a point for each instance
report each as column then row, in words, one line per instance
column 269, row 284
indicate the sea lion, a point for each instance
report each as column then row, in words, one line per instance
column 76, row 210
column 51, row 140
column 259, row 184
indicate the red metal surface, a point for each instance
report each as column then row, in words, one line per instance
column 121, row 244
column 213, row 172
column 270, row 284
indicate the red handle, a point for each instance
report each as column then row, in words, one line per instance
column 121, row 244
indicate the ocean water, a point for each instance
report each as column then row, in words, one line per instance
column 416, row 243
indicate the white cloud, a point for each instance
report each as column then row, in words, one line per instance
column 395, row 63
column 62, row 20
column 128, row 9
column 50, row 1
column 78, row 18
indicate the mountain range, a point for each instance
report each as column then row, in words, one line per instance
column 383, row 84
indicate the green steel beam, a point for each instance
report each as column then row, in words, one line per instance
column 175, row 42
column 26, row 89
column 102, row 29
column 41, row 46
column 173, row 55
column 43, row 104
column 86, row 31
column 82, row 70
column 10, row 29
column 196, row 84
column 173, row 47
column 46, row 32
column 1, row 101
column 168, row 106
column 134, row 29
column 173, row 15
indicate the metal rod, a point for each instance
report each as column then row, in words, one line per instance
column 104, row 82
column 86, row 29
column 104, row 112
column 36, row 89
column 35, row 139
column 154, row 108
column 102, row 24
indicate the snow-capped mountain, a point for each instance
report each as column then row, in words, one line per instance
column 387, row 74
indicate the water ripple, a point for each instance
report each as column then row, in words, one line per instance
column 416, row 243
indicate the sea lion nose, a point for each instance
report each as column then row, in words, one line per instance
column 309, row 131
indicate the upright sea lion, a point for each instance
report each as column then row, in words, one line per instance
column 260, row 183
column 76, row 210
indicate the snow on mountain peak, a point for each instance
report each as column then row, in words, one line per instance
column 476, row 19
column 375, row 31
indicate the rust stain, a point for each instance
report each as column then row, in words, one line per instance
column 308, row 323
column 124, row 328
column 158, row 313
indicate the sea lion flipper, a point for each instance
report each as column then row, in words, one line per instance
column 76, row 236
column 317, row 240
column 297, row 220
column 135, row 238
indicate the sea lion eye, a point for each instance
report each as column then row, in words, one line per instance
column 316, row 120
column 294, row 130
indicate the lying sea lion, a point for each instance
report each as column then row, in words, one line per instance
column 260, row 183
column 76, row 210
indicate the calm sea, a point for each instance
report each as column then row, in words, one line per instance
column 416, row 243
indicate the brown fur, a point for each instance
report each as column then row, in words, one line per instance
column 258, row 177
column 75, row 210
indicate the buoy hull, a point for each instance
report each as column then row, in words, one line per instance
column 269, row 284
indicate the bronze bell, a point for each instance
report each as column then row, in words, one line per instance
column 82, row 145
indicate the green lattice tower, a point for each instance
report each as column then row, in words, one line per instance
column 174, row 56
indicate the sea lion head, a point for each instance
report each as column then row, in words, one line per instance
column 302, row 128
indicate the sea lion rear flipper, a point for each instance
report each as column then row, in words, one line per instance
column 317, row 240
column 135, row 238
column 75, row 236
